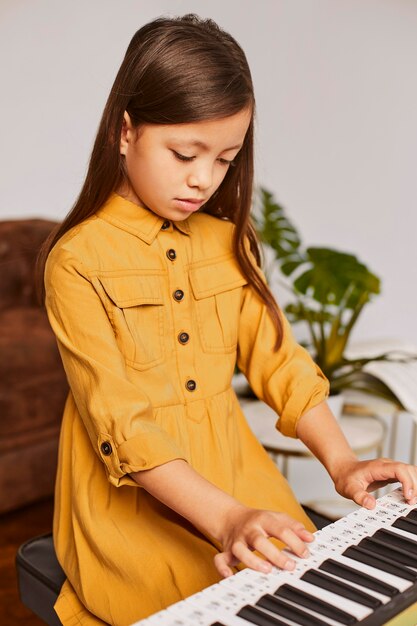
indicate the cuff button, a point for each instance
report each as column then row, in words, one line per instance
column 106, row 448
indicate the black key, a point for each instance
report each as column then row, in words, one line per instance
column 216, row 624
column 382, row 562
column 282, row 609
column 406, row 524
column 323, row 581
column 409, row 519
column 380, row 548
column 412, row 514
column 258, row 617
column 360, row 578
column 402, row 543
column 301, row 598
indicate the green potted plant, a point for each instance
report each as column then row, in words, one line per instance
column 329, row 292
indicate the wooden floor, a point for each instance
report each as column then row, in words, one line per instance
column 15, row 528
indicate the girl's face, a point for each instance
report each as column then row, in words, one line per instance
column 174, row 169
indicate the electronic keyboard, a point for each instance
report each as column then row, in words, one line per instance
column 362, row 570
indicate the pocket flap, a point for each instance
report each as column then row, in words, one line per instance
column 133, row 290
column 216, row 277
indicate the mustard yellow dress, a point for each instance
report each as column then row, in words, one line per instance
column 150, row 317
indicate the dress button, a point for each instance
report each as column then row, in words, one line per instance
column 106, row 448
column 171, row 254
column 178, row 295
column 191, row 385
column 166, row 225
column 183, row 337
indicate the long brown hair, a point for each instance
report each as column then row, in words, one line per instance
column 163, row 59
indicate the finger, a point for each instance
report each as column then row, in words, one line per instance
column 365, row 499
column 306, row 535
column 294, row 542
column 410, row 492
column 274, row 526
column 390, row 471
column 224, row 561
column 301, row 531
column 240, row 553
column 293, row 533
column 280, row 559
column 245, row 555
column 407, row 476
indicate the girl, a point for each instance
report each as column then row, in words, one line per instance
column 154, row 291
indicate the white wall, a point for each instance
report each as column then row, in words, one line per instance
column 336, row 87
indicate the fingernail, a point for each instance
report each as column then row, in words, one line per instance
column 367, row 503
column 410, row 493
column 289, row 565
column 266, row 567
column 305, row 554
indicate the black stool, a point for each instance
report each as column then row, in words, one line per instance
column 40, row 577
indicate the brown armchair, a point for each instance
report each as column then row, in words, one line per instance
column 33, row 385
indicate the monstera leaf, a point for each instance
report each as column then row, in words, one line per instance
column 330, row 289
column 332, row 278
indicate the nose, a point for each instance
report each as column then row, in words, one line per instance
column 201, row 176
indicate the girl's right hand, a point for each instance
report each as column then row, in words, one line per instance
column 246, row 530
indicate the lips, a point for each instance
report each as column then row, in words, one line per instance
column 188, row 204
column 194, row 200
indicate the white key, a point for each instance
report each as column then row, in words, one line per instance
column 323, row 549
column 396, row 507
column 163, row 618
column 187, row 611
column 395, row 500
column 380, row 518
column 265, row 582
column 242, row 587
column 206, row 618
column 352, row 532
column 229, row 599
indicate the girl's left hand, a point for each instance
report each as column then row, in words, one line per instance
column 357, row 478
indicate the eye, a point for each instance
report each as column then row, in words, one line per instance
column 226, row 162
column 182, row 157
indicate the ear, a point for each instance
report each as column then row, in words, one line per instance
column 126, row 134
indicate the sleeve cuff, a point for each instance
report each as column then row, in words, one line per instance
column 301, row 400
column 141, row 452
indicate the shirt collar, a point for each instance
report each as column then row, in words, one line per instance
column 136, row 219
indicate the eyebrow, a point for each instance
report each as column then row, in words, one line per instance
column 204, row 146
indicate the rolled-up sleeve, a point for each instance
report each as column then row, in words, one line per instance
column 287, row 380
column 117, row 415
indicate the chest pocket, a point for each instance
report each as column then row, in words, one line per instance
column 135, row 306
column 217, row 288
